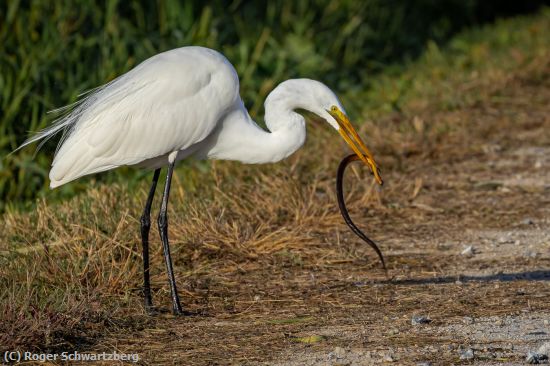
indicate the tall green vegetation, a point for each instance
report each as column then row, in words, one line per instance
column 51, row 51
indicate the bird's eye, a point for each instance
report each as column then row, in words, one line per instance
column 334, row 108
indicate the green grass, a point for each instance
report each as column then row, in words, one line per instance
column 65, row 267
column 53, row 51
column 480, row 55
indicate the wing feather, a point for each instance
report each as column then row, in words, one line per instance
column 167, row 103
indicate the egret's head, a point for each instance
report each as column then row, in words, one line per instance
column 316, row 97
column 329, row 108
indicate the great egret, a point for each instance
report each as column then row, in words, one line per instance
column 181, row 103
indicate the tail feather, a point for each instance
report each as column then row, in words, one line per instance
column 70, row 115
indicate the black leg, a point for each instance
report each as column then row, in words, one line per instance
column 163, row 229
column 145, row 226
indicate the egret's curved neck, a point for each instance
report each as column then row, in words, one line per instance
column 240, row 138
column 281, row 103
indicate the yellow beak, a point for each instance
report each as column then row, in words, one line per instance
column 354, row 141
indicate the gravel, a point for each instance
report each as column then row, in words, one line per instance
column 468, row 251
column 466, row 354
column 420, row 319
column 535, row 358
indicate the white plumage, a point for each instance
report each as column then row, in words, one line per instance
column 165, row 104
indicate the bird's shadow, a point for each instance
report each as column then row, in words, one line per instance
column 539, row 275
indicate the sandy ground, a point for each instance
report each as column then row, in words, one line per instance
column 503, row 338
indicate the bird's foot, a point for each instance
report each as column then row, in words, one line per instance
column 177, row 310
column 151, row 310
column 181, row 312
column 148, row 303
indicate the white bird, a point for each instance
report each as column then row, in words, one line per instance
column 177, row 104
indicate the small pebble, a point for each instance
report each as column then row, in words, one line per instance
column 468, row 251
column 535, row 358
column 389, row 358
column 393, row 331
column 527, row 221
column 467, row 354
column 427, row 363
column 420, row 319
column 338, row 353
column 468, row 320
column 503, row 240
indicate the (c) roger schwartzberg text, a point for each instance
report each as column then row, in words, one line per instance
column 24, row 356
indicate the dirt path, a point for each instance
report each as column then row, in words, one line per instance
column 468, row 247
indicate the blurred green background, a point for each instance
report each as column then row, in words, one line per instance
column 51, row 51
